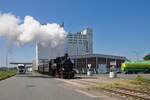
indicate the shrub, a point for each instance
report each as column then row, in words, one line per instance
column 140, row 78
column 7, row 74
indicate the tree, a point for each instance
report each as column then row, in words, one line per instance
column 147, row 57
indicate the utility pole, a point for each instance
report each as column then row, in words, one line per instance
column 1, row 61
column 36, row 57
column 7, row 60
column 136, row 55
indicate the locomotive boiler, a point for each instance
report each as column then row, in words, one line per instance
column 61, row 67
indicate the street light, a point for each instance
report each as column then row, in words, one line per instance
column 136, row 55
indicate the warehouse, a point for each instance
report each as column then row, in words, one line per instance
column 99, row 62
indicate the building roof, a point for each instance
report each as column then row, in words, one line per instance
column 98, row 55
column 25, row 63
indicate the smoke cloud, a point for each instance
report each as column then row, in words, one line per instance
column 30, row 30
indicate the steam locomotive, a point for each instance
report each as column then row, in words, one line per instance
column 61, row 67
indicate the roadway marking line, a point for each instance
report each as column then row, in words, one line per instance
column 72, row 83
column 86, row 93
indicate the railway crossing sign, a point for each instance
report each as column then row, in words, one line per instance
column 113, row 63
column 89, row 65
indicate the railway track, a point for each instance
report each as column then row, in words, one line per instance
column 121, row 91
column 138, row 91
column 136, row 94
column 141, row 95
column 129, row 93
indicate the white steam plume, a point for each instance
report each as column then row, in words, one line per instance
column 30, row 30
column 9, row 26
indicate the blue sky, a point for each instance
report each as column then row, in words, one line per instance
column 121, row 27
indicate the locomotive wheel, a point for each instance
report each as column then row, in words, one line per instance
column 61, row 74
column 71, row 75
column 56, row 75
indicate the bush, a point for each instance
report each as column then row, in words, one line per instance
column 140, row 78
column 7, row 74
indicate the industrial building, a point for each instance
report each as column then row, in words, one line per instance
column 80, row 43
column 99, row 62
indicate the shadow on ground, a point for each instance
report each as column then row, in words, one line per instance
column 85, row 77
column 35, row 76
column 30, row 75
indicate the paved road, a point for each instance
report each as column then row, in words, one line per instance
column 38, row 88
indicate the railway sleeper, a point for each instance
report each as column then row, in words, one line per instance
column 127, row 94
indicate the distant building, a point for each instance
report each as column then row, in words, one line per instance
column 80, row 43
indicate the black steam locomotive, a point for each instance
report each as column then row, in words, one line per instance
column 61, row 67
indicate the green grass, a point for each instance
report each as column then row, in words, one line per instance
column 7, row 74
column 142, row 83
column 139, row 83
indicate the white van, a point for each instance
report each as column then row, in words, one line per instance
column 21, row 69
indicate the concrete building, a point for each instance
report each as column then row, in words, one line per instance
column 80, row 43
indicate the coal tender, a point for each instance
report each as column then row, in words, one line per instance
column 61, row 67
